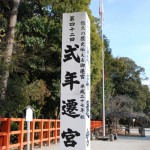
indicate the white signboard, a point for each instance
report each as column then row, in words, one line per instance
column 29, row 117
column 75, row 82
column 29, row 114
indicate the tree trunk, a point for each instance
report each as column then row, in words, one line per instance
column 9, row 45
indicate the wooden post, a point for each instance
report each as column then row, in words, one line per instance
column 21, row 135
column 55, row 131
column 8, row 124
column 32, row 134
column 2, row 129
column 41, row 133
column 48, row 134
column 46, row 131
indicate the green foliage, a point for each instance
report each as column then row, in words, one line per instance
column 37, row 91
column 119, row 105
column 35, row 67
column 128, row 74
column 97, row 88
column 37, row 53
column 16, row 100
column 54, row 102
column 20, row 94
column 96, row 54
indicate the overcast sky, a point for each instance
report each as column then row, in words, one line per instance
column 127, row 26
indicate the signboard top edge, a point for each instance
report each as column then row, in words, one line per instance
column 76, row 13
column 83, row 14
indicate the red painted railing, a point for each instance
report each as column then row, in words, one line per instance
column 96, row 124
column 13, row 132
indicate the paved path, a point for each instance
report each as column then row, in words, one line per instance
column 123, row 143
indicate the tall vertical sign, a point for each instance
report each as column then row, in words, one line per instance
column 75, row 82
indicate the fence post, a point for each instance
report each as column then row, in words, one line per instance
column 2, row 138
column 32, row 133
column 8, row 126
column 48, row 132
column 21, row 135
column 55, row 131
column 41, row 133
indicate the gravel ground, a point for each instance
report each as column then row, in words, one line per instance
column 123, row 143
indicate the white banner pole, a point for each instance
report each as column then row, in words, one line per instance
column 28, row 135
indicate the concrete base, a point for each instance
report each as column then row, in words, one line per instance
column 103, row 138
column 111, row 137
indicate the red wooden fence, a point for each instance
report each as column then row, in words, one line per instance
column 13, row 132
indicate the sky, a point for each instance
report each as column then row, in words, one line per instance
column 127, row 26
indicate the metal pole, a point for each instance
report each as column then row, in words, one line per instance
column 103, row 87
column 103, row 83
column 28, row 135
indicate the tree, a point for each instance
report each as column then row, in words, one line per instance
column 36, row 59
column 38, row 36
column 96, row 103
column 120, row 107
column 42, row 44
column 126, row 72
column 13, row 10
